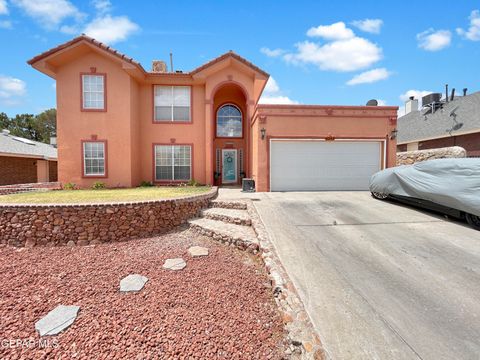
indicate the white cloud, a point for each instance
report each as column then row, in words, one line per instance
column 342, row 55
column 273, row 95
column 5, row 24
column 102, row 6
column 272, row 52
column 369, row 76
column 473, row 32
column 369, row 25
column 11, row 89
column 432, row 40
column 3, row 7
column 49, row 13
column 111, row 29
column 272, row 86
column 381, row 102
column 336, row 31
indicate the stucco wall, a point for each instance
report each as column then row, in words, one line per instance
column 318, row 122
column 74, row 125
column 57, row 225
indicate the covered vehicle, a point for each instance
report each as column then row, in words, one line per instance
column 450, row 186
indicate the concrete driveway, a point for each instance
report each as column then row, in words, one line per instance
column 379, row 280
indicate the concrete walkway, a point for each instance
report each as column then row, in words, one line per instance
column 379, row 280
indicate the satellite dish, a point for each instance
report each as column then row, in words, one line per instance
column 452, row 113
column 457, row 126
column 372, row 102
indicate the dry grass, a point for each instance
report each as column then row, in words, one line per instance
column 105, row 195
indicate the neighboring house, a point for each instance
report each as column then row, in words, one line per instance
column 452, row 123
column 24, row 161
column 120, row 124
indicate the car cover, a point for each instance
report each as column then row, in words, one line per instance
column 453, row 183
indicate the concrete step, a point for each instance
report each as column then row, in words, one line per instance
column 228, row 204
column 234, row 216
column 243, row 237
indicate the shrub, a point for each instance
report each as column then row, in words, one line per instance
column 98, row 185
column 193, row 182
column 69, row 186
column 145, row 184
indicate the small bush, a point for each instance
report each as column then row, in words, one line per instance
column 69, row 186
column 145, row 184
column 194, row 183
column 98, row 185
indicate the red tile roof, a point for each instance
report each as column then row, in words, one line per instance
column 226, row 55
column 121, row 56
column 86, row 38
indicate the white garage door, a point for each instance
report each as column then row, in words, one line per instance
column 320, row 165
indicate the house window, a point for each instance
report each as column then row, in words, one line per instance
column 93, row 92
column 94, row 158
column 229, row 121
column 173, row 162
column 172, row 103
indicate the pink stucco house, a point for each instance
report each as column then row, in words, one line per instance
column 122, row 124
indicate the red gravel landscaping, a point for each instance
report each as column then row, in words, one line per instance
column 219, row 306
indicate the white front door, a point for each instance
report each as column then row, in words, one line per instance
column 311, row 165
column 229, row 166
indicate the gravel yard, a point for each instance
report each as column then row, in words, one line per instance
column 219, row 306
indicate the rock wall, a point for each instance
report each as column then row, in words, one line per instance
column 57, row 225
column 411, row 157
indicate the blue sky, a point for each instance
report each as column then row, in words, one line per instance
column 318, row 52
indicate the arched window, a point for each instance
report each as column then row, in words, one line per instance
column 229, row 121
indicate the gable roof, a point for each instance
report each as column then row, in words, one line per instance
column 89, row 40
column 17, row 146
column 126, row 58
column 418, row 126
column 233, row 55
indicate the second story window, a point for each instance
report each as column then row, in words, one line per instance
column 172, row 103
column 93, row 92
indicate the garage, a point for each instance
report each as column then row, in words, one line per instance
column 317, row 165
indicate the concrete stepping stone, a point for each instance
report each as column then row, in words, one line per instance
column 133, row 282
column 57, row 320
column 174, row 264
column 196, row 251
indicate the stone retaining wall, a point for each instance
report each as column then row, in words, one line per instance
column 412, row 157
column 57, row 225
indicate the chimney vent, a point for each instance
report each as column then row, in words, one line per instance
column 465, row 91
column 159, row 66
column 411, row 105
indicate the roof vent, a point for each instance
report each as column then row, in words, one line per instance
column 372, row 102
column 159, row 66
column 23, row 140
column 6, row 132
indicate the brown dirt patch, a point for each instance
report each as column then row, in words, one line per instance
column 219, row 306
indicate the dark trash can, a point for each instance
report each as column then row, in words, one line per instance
column 248, row 185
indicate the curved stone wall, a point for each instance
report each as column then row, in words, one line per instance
column 89, row 224
column 412, row 157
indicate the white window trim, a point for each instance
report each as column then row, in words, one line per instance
column 85, row 159
column 84, row 107
column 172, row 106
column 173, row 163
